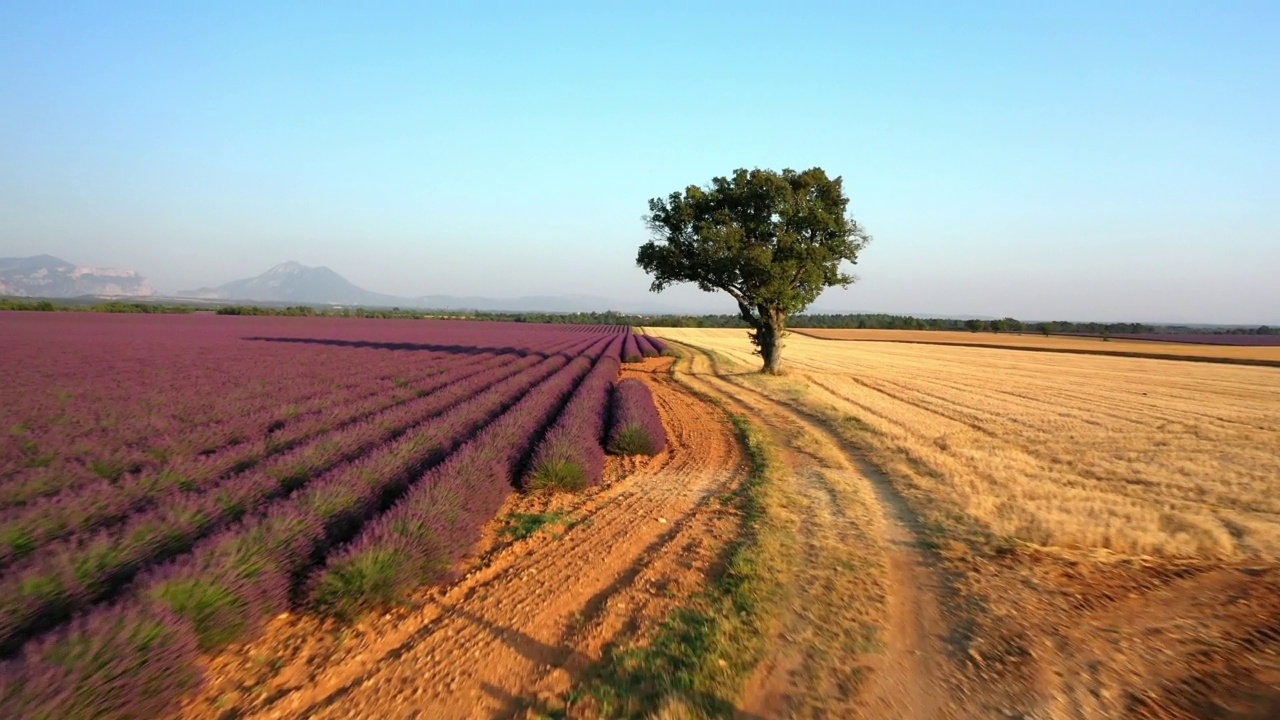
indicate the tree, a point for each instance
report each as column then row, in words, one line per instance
column 773, row 241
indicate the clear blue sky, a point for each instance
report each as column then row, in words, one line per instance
column 1081, row 160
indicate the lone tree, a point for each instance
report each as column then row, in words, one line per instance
column 773, row 241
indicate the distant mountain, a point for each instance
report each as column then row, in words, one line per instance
column 50, row 277
column 295, row 282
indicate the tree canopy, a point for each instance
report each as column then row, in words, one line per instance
column 772, row 240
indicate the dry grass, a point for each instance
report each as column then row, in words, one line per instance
column 1135, row 456
column 1056, row 342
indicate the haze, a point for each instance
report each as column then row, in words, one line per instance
column 1091, row 161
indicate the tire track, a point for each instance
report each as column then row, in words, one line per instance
column 905, row 672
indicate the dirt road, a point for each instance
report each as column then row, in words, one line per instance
column 862, row 634
column 531, row 614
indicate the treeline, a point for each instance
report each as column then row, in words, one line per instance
column 111, row 306
column 867, row 321
column 310, row 311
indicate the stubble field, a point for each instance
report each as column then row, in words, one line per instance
column 1135, row 456
column 1099, row 534
column 1252, row 349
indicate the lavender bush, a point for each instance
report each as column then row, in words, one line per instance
column 570, row 456
column 636, row 428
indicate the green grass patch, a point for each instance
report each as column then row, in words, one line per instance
column 525, row 525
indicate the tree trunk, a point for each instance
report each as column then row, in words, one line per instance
column 769, row 339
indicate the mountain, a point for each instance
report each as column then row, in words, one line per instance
column 295, row 282
column 50, row 277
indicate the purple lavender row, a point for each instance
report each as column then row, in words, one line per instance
column 122, row 418
column 244, row 455
column 73, row 574
column 660, row 345
column 636, row 427
column 132, row 661
column 248, row 571
column 645, row 347
column 232, row 437
column 630, row 349
column 50, row 468
column 109, row 503
column 441, row 518
column 238, row 455
column 570, row 456
column 138, row 658
column 145, row 407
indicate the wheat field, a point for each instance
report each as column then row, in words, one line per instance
column 1246, row 354
column 1130, row 455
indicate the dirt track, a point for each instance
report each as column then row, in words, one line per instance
column 863, row 636
column 531, row 614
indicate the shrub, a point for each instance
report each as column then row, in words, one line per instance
column 121, row 662
column 636, row 428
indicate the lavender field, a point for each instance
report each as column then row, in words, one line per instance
column 169, row 483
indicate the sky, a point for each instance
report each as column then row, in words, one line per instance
column 1048, row 160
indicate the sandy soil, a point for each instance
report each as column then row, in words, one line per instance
column 529, row 614
column 1059, row 343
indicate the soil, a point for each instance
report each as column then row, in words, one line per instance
column 529, row 615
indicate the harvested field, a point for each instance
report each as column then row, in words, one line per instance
column 1103, row 528
column 1134, row 456
column 1260, row 354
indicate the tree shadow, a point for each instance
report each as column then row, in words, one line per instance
column 407, row 346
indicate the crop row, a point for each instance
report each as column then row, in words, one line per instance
column 440, row 519
column 233, row 582
column 636, row 427
column 74, row 574
column 346, row 515
column 132, row 439
column 570, row 455
column 283, row 456
column 134, row 409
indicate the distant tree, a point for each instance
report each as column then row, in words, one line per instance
column 1013, row 324
column 974, row 325
column 998, row 326
column 772, row 240
column 1048, row 328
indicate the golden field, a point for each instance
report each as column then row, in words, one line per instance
column 1133, row 455
column 1061, row 343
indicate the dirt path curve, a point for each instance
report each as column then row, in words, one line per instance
column 864, row 635
column 534, row 612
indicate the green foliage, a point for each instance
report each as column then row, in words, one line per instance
column 218, row 612
column 363, row 580
column 524, row 525
column 632, row 440
column 772, row 240
column 558, row 474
